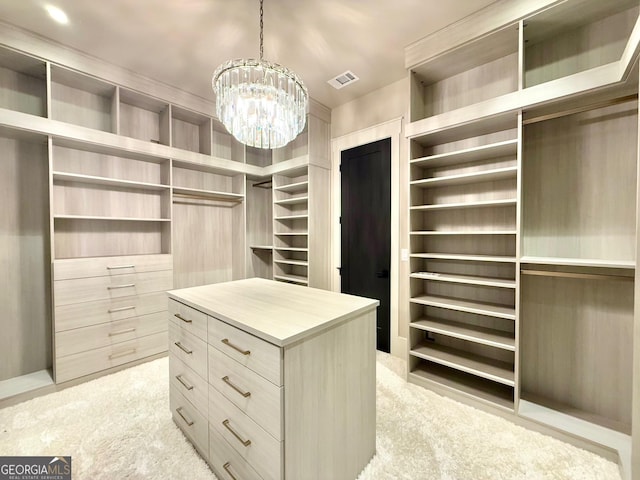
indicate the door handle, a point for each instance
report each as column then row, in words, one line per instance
column 382, row 274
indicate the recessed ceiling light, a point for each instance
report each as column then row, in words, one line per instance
column 57, row 14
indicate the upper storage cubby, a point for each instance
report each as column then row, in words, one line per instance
column 23, row 85
column 224, row 145
column 575, row 36
column 144, row 118
column 191, row 131
column 470, row 74
column 83, row 100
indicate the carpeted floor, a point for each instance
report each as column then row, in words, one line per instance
column 120, row 426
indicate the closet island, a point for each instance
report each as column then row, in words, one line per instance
column 270, row 380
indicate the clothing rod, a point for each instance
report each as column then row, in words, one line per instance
column 588, row 276
column 262, row 184
column 584, row 108
column 207, row 197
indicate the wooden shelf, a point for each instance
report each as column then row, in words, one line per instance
column 292, row 201
column 301, row 263
column 292, row 217
column 472, row 333
column 478, row 308
column 291, row 249
column 261, row 247
column 293, row 278
column 466, row 258
column 90, row 179
column 25, row 383
column 579, row 262
column 283, row 234
column 469, row 232
column 293, row 187
column 455, row 206
column 464, row 178
column 115, row 219
column 489, row 368
column 465, row 279
column 494, row 150
column 214, row 195
column 460, row 382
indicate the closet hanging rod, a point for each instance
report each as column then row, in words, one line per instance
column 262, row 184
column 584, row 108
column 195, row 196
column 588, row 276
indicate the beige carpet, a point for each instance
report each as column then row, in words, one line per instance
column 120, row 427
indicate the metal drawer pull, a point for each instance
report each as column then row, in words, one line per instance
column 185, row 384
column 185, row 320
column 183, row 348
column 246, row 443
column 179, row 412
column 226, row 469
column 122, row 354
column 226, row 380
column 120, row 332
column 117, row 267
column 115, row 287
column 121, row 309
column 228, row 343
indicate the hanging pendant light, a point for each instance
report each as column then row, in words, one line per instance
column 262, row 104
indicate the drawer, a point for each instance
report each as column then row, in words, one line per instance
column 226, row 462
column 104, row 288
column 106, row 266
column 87, row 338
column 80, row 364
column 191, row 385
column 260, row 356
column 250, row 440
column 251, row 393
column 189, row 349
column 192, row 422
column 103, row 311
column 188, row 318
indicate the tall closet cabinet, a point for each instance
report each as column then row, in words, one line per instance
column 112, row 196
column 523, row 222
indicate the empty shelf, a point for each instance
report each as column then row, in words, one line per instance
column 261, row 247
column 465, row 257
column 579, row 262
column 94, row 180
column 293, row 187
column 489, row 368
column 472, row 333
column 292, row 217
column 292, row 278
column 462, row 205
column 197, row 193
column 291, row 249
column 284, row 234
column 463, row 178
column 466, row 279
column 302, row 263
column 468, row 232
column 488, row 309
column 494, row 150
column 292, row 201
column 117, row 219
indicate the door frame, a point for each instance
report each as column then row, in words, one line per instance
column 391, row 129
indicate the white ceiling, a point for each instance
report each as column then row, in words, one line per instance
column 181, row 42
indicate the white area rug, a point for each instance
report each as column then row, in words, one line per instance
column 120, row 426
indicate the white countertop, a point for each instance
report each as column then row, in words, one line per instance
column 277, row 312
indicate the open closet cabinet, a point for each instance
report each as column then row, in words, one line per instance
column 113, row 196
column 523, row 222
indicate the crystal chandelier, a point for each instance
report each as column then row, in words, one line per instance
column 262, row 104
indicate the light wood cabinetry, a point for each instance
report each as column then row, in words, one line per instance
column 291, row 379
column 523, row 223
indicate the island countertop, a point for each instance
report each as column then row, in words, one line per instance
column 277, row 312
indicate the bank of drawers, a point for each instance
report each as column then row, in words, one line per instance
column 109, row 311
column 245, row 393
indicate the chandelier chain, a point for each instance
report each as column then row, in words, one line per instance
column 261, row 28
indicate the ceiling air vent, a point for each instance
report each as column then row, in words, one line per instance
column 344, row 79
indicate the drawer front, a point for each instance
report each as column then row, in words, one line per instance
column 252, row 352
column 104, row 288
column 254, row 395
column 192, row 422
column 106, row 266
column 189, row 349
column 226, row 462
column 191, row 385
column 189, row 319
column 104, row 311
column 87, row 338
column 250, row 440
column 80, row 364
